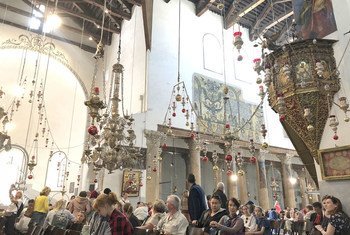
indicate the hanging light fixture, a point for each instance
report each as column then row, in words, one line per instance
column 274, row 185
column 5, row 139
column 114, row 145
column 301, row 79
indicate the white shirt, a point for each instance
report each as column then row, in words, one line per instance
column 12, row 208
column 141, row 212
column 22, row 224
column 175, row 224
column 249, row 223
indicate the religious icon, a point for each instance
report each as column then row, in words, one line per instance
column 131, row 182
column 335, row 163
column 314, row 18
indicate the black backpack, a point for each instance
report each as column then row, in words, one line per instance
column 60, row 220
column 19, row 209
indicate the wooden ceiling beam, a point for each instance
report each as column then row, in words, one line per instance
column 286, row 28
column 147, row 15
column 78, row 7
column 70, row 1
column 135, row 2
column 114, row 12
column 89, row 11
column 86, row 17
column 268, row 7
column 63, row 26
column 15, row 10
column 231, row 9
column 82, row 46
column 281, row 18
column 261, row 17
column 88, row 33
column 231, row 19
column 202, row 6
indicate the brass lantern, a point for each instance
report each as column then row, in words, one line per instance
column 305, row 74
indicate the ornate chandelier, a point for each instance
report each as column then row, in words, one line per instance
column 114, row 147
column 301, row 79
column 5, row 140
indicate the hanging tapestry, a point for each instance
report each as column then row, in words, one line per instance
column 208, row 101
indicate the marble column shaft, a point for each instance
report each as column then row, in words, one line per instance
column 243, row 191
column 263, row 192
column 231, row 185
column 194, row 161
column 304, row 196
column 288, row 188
column 153, row 141
column 218, row 176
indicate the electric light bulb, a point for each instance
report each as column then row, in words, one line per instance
column 18, row 91
column 9, row 126
column 52, row 22
column 34, row 23
column 292, row 180
column 234, row 177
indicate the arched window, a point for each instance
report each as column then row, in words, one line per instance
column 56, row 171
column 13, row 167
column 212, row 54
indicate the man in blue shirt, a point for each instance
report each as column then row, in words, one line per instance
column 196, row 200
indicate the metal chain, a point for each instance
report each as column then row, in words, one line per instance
column 104, row 81
column 94, row 76
column 122, row 92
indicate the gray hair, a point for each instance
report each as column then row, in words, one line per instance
column 220, row 186
column 175, row 201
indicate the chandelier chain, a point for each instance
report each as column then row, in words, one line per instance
column 32, row 103
column 179, row 44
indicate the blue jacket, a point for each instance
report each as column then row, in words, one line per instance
column 196, row 202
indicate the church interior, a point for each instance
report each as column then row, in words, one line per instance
column 136, row 95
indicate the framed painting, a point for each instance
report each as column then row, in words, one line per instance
column 335, row 163
column 131, row 182
column 314, row 19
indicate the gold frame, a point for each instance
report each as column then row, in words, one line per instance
column 338, row 157
column 131, row 182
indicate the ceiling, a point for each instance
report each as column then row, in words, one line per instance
column 272, row 18
column 82, row 19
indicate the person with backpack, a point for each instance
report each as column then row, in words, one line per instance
column 80, row 204
column 13, row 210
column 59, row 216
column 78, row 223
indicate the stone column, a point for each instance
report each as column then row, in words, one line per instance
column 263, row 193
column 153, row 141
column 231, row 187
column 315, row 198
column 194, row 162
column 242, row 185
column 304, row 195
column 218, row 174
column 288, row 188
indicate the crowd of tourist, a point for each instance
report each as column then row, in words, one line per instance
column 103, row 213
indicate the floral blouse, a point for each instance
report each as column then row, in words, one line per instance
column 341, row 222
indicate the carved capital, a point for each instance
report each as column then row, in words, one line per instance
column 154, row 138
column 191, row 144
column 261, row 156
column 285, row 158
